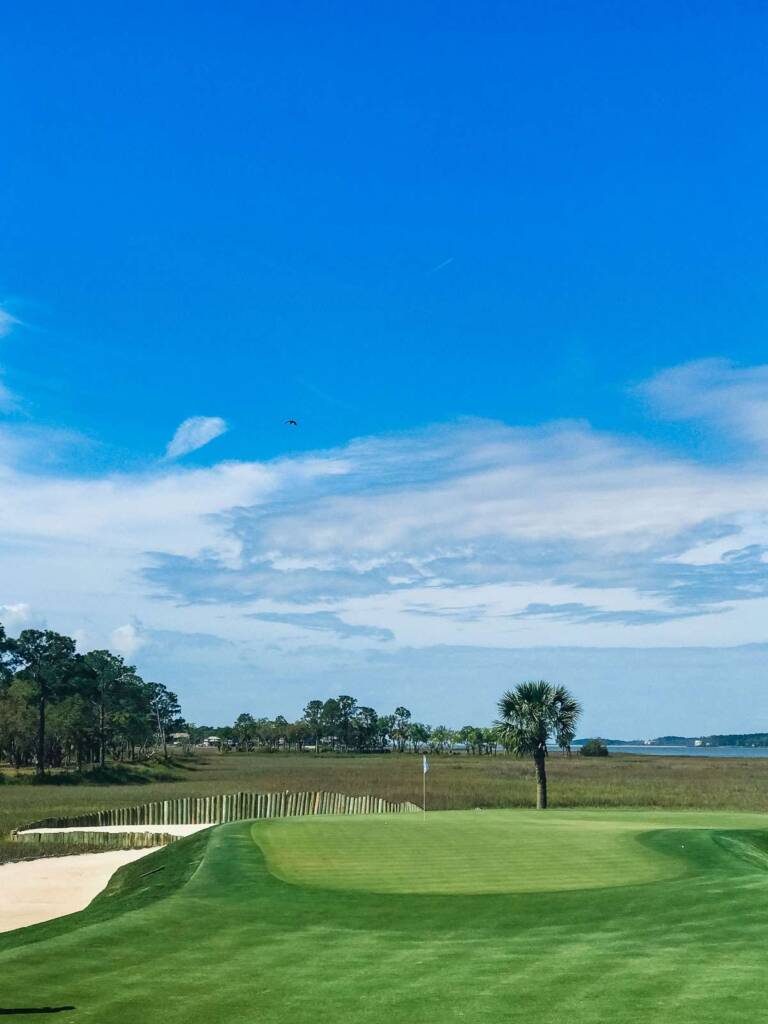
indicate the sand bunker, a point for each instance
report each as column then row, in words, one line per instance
column 37, row 890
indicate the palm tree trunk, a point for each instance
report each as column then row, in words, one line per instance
column 539, row 761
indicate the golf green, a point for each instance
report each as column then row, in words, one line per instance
column 564, row 916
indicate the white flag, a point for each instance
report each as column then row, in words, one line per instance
column 426, row 764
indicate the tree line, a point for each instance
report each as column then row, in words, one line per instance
column 343, row 724
column 530, row 715
column 60, row 708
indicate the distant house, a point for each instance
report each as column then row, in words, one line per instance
column 179, row 737
column 698, row 743
column 212, row 741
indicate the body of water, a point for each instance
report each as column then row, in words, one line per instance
column 640, row 748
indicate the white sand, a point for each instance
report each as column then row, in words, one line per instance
column 171, row 830
column 37, row 890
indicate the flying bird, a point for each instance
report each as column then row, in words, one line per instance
column 292, row 423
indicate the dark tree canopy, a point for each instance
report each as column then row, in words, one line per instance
column 58, row 707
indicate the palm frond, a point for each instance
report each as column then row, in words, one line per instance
column 534, row 711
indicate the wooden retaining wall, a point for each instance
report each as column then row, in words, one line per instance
column 105, row 840
column 204, row 810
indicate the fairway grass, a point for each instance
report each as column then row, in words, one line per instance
column 577, row 916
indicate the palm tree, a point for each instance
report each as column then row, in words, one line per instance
column 529, row 715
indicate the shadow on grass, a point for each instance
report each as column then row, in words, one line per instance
column 34, row 1009
column 112, row 775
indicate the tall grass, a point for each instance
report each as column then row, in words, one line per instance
column 454, row 782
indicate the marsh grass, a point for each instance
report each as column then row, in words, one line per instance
column 454, row 783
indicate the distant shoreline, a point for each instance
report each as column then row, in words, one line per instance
column 683, row 750
column 746, row 741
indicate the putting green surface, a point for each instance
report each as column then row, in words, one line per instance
column 472, row 853
column 574, row 916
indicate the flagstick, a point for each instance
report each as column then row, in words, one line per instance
column 424, row 793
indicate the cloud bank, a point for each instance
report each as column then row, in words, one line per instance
column 473, row 535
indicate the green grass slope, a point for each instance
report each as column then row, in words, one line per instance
column 572, row 916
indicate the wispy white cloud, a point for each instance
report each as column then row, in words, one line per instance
column 325, row 622
column 9, row 402
column 716, row 391
column 134, row 637
column 29, row 444
column 7, row 322
column 194, row 433
column 440, row 266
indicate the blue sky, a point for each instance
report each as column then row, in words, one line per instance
column 507, row 269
